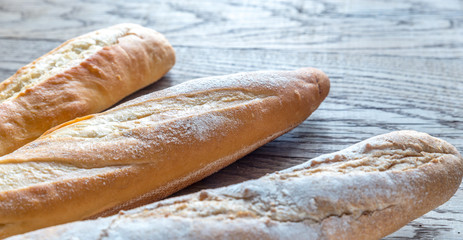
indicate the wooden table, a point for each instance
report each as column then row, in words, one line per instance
column 393, row 65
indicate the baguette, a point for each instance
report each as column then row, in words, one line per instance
column 366, row 191
column 84, row 75
column 150, row 147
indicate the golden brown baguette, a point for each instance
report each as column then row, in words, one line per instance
column 84, row 75
column 366, row 191
column 150, row 147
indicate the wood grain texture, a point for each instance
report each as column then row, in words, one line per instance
column 393, row 66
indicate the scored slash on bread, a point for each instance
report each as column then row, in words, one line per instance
column 366, row 191
column 84, row 75
column 148, row 148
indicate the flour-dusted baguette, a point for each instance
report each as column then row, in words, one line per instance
column 366, row 191
column 84, row 75
column 150, row 147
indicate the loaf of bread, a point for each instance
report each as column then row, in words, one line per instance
column 366, row 191
column 84, row 75
column 147, row 148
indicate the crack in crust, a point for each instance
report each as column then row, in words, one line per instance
column 382, row 153
column 156, row 111
column 65, row 56
column 225, row 206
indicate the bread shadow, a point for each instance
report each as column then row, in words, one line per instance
column 274, row 156
column 165, row 82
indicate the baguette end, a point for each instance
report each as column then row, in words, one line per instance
column 317, row 77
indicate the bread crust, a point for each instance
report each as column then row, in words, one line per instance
column 152, row 146
column 366, row 191
column 139, row 57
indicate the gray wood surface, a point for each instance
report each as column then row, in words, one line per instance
column 393, row 65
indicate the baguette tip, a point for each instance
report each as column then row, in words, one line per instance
column 318, row 77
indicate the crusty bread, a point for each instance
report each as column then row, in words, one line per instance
column 84, row 75
column 150, row 147
column 366, row 191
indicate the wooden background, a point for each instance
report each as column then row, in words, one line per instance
column 393, row 65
